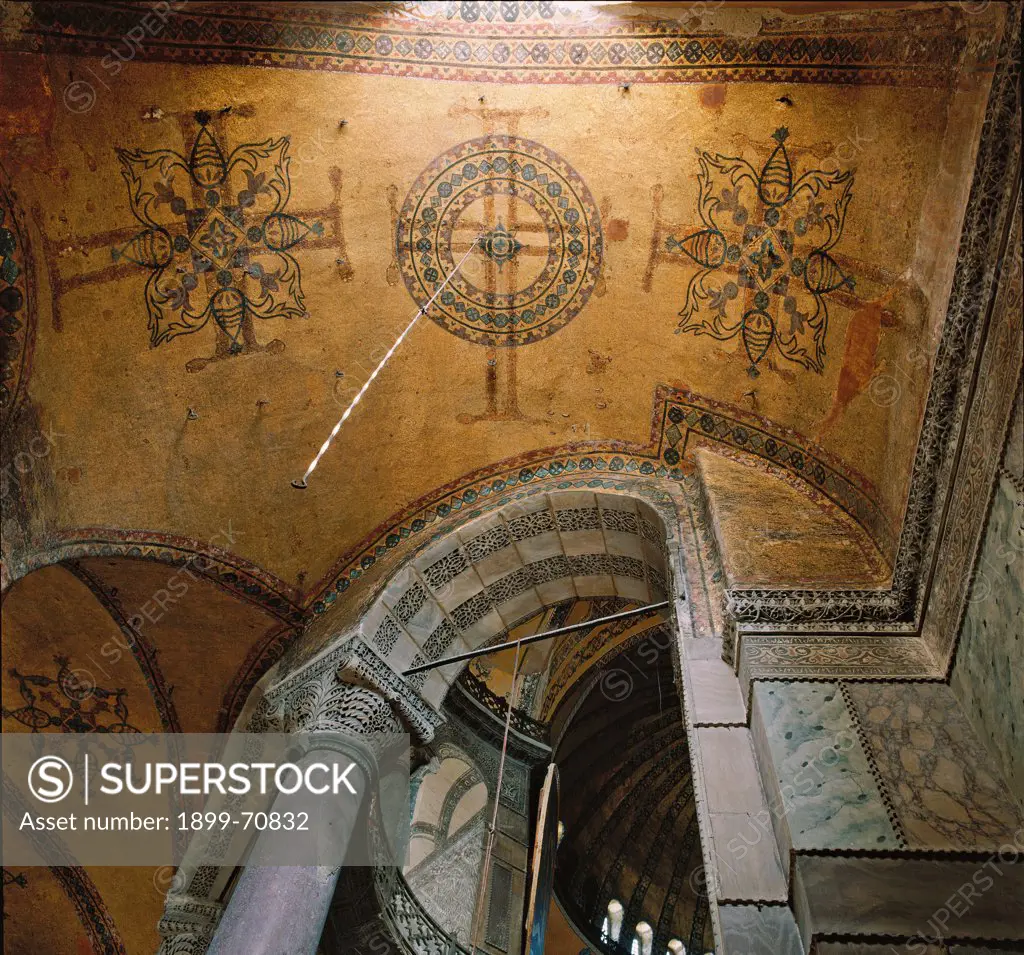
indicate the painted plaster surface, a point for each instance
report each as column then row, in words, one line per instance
column 988, row 676
column 945, row 789
column 826, row 788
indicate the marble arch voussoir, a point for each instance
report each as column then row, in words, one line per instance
column 490, row 573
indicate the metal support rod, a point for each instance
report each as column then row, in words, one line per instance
column 558, row 631
column 301, row 484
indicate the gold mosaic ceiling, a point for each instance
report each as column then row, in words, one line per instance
column 222, row 251
column 727, row 235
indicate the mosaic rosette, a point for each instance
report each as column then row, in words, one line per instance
column 539, row 249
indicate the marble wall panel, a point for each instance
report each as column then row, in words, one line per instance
column 945, row 789
column 823, row 787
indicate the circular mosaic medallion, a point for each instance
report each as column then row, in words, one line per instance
column 539, row 254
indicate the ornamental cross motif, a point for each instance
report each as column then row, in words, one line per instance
column 216, row 238
column 765, row 255
column 68, row 702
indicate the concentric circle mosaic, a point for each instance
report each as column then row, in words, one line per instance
column 539, row 252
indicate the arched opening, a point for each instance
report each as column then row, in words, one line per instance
column 552, row 561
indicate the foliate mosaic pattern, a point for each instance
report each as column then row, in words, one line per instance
column 938, row 776
column 577, row 652
column 978, row 278
column 215, row 236
column 766, row 268
column 537, row 234
column 519, row 47
column 68, row 703
column 17, row 319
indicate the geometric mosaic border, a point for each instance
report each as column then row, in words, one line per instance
column 453, row 44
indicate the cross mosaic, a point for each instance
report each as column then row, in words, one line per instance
column 765, row 255
column 216, row 238
column 538, row 229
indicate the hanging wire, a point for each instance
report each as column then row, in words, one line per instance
column 301, row 482
column 492, row 828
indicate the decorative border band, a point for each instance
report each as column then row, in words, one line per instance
column 560, row 48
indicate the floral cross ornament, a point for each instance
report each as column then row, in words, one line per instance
column 216, row 239
column 766, row 266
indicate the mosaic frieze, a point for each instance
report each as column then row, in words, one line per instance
column 68, row 703
column 516, row 45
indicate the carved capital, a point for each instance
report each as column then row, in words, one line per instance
column 187, row 925
column 349, row 689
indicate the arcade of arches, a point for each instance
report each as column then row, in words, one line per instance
column 719, row 335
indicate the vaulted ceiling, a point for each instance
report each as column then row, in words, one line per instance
column 710, row 243
column 221, row 254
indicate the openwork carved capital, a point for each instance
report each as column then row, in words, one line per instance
column 327, row 704
column 350, row 690
column 187, row 925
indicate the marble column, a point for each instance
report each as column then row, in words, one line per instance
column 276, row 910
column 281, row 910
